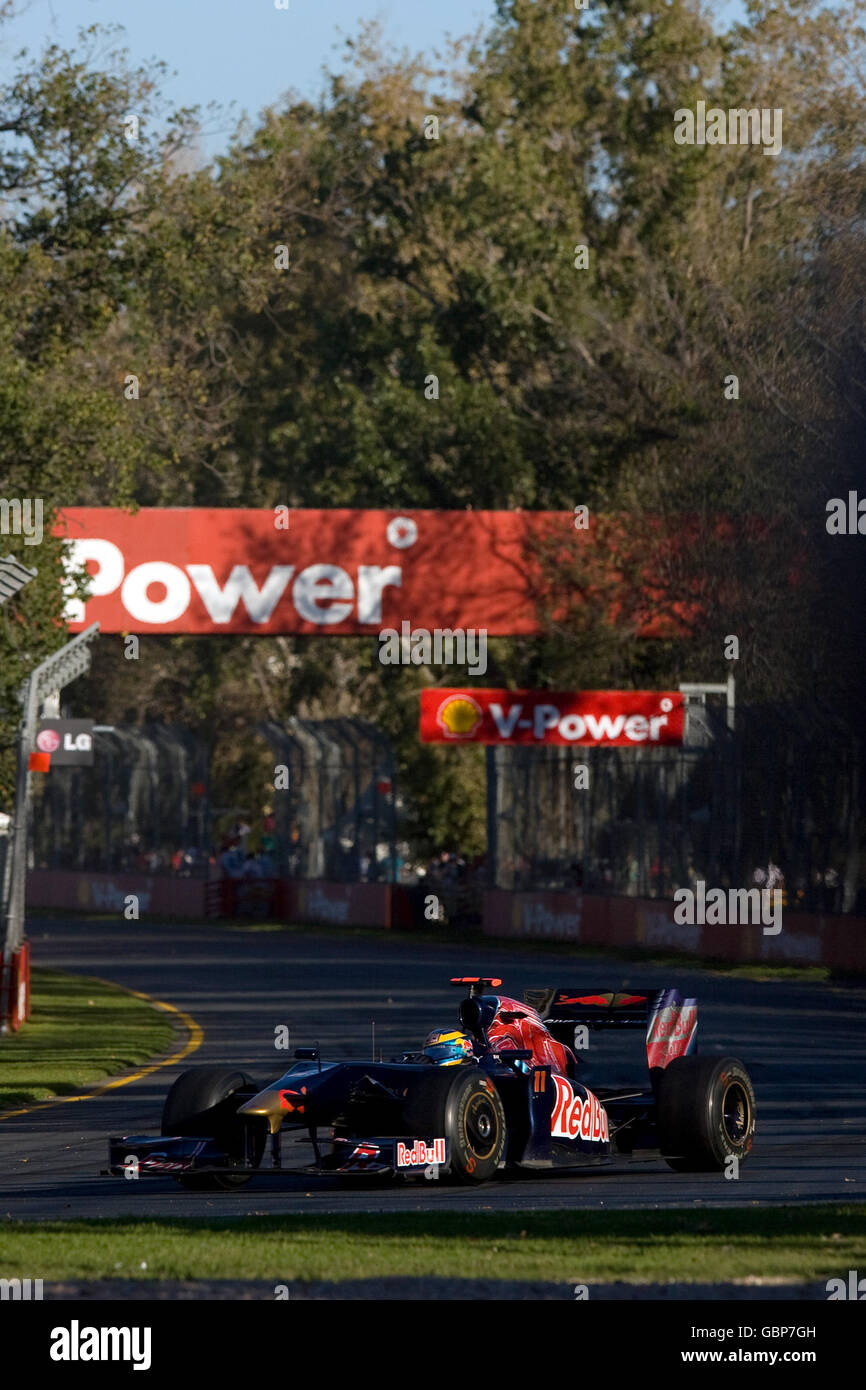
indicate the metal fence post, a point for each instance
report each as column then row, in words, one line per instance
column 52, row 674
column 492, row 823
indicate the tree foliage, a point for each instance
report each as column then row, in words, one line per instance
column 455, row 256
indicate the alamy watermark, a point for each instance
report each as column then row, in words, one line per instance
column 846, row 517
column 443, row 646
column 20, row 1290
column 77, row 1343
column 22, row 517
column 728, row 907
column 738, row 126
column 854, row 1289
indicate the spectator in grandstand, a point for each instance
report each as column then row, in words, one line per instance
column 394, row 865
column 232, row 860
column 439, row 868
column 240, row 832
column 350, row 864
column 632, row 875
column 252, row 867
column 132, row 853
column 294, row 854
column 456, row 869
column 832, row 884
column 476, row 873
column 770, row 879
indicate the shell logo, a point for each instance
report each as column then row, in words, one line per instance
column 459, row 716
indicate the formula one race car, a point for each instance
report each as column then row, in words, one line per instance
column 501, row 1090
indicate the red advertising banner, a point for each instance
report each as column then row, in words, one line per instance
column 227, row 570
column 618, row 718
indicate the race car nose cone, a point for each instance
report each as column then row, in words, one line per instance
column 274, row 1106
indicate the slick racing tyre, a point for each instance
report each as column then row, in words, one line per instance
column 705, row 1113
column 463, row 1105
column 203, row 1101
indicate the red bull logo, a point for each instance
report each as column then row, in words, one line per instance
column 670, row 1032
column 577, row 1116
column 420, row 1154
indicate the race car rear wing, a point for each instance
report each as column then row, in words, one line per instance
column 670, row 1021
column 594, row 1008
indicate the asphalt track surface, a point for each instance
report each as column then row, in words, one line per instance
column 804, row 1044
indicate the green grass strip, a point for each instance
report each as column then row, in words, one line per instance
column 80, row 1031
column 782, row 1243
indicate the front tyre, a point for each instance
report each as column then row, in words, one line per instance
column 705, row 1113
column 475, row 1125
column 463, row 1105
column 204, row 1101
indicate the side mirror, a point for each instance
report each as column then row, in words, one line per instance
column 514, row 1054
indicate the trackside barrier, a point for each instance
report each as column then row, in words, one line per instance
column 298, row 900
column 233, row 897
column 302, row 900
column 157, row 895
column 804, row 939
column 15, row 995
column 345, row 904
column 455, row 905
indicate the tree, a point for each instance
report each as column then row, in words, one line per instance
column 74, row 188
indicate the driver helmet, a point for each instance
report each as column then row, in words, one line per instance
column 447, row 1048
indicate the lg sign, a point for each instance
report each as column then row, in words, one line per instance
column 69, row 741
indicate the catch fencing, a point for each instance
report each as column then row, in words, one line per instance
column 141, row 807
column 605, row 821
column 145, row 807
column 642, row 822
column 335, row 817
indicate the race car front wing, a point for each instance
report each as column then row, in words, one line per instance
column 137, row 1156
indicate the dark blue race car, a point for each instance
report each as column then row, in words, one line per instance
column 501, row 1090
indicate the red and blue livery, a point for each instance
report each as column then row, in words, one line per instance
column 503, row 1089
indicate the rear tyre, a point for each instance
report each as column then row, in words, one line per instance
column 463, row 1105
column 705, row 1113
column 204, row 1102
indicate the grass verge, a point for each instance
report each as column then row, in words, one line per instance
column 80, row 1031
column 795, row 1244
